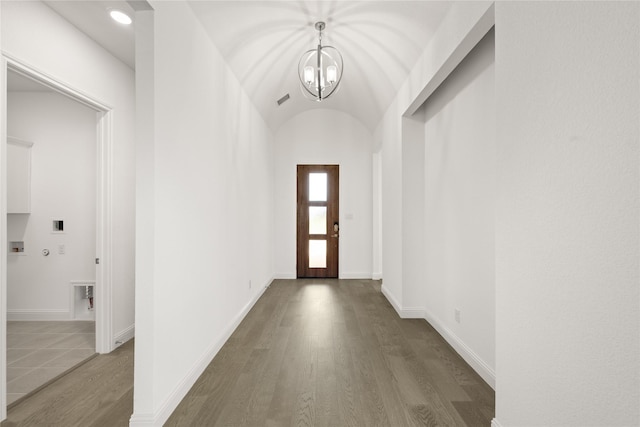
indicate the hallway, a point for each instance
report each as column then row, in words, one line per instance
column 334, row 352
column 309, row 353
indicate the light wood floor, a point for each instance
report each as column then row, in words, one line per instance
column 310, row 353
column 334, row 353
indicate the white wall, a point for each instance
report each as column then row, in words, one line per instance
column 437, row 194
column 326, row 137
column 459, row 176
column 206, row 186
column 567, row 232
column 459, row 32
column 36, row 36
column 413, row 216
column 63, row 186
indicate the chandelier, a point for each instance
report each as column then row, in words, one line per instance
column 320, row 69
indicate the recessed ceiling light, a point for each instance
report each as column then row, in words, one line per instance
column 120, row 17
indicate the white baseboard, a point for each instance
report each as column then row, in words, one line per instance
column 404, row 313
column 495, row 423
column 142, row 420
column 413, row 313
column 38, row 314
column 174, row 399
column 346, row 276
column 376, row 276
column 394, row 303
column 363, row 276
column 123, row 336
column 478, row 365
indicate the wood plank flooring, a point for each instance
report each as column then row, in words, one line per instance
column 334, row 353
column 310, row 353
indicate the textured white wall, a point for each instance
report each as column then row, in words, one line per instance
column 411, row 155
column 326, row 137
column 63, row 185
column 463, row 26
column 459, row 199
column 567, row 232
column 207, row 182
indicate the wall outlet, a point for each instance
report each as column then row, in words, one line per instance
column 457, row 315
column 61, row 249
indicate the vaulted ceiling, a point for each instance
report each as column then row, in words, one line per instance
column 262, row 42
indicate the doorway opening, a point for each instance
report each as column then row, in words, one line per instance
column 51, row 221
column 318, row 228
column 89, row 295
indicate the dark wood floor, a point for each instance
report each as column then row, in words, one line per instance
column 334, row 353
column 310, row 353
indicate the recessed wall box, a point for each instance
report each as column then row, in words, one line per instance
column 16, row 248
column 57, row 226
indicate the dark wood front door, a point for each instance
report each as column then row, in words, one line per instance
column 318, row 221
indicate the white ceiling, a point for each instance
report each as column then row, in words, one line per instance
column 92, row 18
column 262, row 42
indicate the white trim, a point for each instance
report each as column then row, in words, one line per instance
column 413, row 313
column 170, row 403
column 394, row 303
column 37, row 314
column 361, row 276
column 142, row 420
column 105, row 341
column 30, row 72
column 403, row 313
column 475, row 361
column 376, row 276
column 495, row 423
column 124, row 335
column 285, row 276
column 3, row 238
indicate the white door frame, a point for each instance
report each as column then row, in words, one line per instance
column 104, row 219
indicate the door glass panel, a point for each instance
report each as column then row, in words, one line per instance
column 317, row 220
column 318, row 187
column 317, row 254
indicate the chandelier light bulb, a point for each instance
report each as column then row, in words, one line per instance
column 309, row 75
column 332, row 74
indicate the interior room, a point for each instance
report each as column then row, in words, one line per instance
column 51, row 232
column 476, row 228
